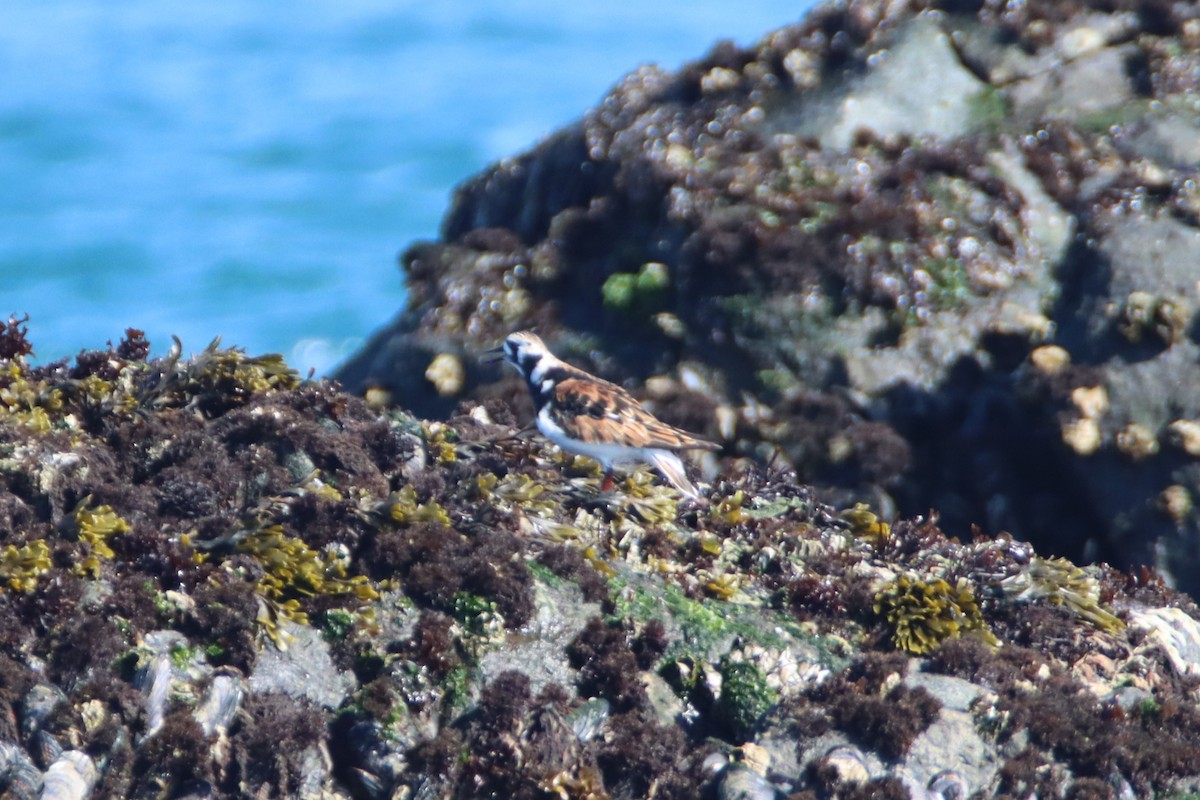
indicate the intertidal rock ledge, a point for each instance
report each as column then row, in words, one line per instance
column 928, row 254
column 218, row 580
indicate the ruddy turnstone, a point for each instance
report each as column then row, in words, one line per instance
column 588, row 415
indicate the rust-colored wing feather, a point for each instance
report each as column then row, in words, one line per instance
column 595, row 411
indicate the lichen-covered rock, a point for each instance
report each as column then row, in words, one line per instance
column 841, row 248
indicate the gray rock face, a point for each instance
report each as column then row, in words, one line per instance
column 895, row 96
column 538, row 649
column 953, row 742
column 303, row 670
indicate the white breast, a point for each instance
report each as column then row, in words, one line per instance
column 608, row 455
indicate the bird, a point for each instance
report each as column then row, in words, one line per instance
column 590, row 416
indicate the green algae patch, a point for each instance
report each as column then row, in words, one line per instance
column 760, row 508
column 705, row 630
column 637, row 293
column 543, row 574
column 745, row 697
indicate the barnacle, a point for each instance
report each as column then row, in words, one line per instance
column 1061, row 583
column 1144, row 314
column 923, row 614
column 21, row 566
column 404, row 508
column 96, row 526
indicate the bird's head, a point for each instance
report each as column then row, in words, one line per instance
column 525, row 350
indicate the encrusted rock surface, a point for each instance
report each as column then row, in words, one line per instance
column 218, row 580
column 844, row 250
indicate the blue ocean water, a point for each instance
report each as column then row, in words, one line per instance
column 252, row 170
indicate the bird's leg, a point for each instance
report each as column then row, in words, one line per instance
column 608, row 482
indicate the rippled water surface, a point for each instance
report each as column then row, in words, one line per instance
column 251, row 170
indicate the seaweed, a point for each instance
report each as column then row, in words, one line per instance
column 20, row 567
column 744, row 700
column 923, row 614
column 889, row 724
column 95, row 526
column 607, row 665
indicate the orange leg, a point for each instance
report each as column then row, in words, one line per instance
column 608, row 482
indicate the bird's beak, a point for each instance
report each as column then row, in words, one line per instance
column 492, row 356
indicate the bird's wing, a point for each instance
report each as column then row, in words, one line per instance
column 596, row 411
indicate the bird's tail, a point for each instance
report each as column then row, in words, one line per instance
column 670, row 466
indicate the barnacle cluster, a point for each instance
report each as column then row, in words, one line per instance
column 1148, row 315
column 1061, row 583
column 924, row 613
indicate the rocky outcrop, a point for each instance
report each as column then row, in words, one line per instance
column 218, row 580
column 930, row 255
